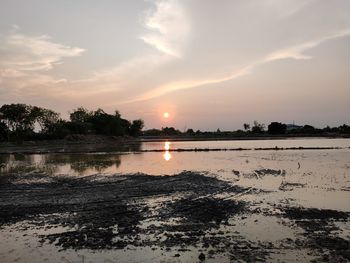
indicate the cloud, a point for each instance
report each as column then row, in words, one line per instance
column 297, row 52
column 293, row 52
column 182, row 85
column 149, row 76
column 23, row 54
column 119, row 79
column 167, row 30
column 193, row 44
column 25, row 63
column 170, row 25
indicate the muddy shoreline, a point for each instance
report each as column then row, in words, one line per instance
column 173, row 214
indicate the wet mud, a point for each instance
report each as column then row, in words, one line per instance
column 174, row 214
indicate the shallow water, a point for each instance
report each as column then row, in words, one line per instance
column 319, row 177
column 313, row 178
column 166, row 160
column 250, row 144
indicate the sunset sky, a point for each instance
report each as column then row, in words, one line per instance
column 209, row 64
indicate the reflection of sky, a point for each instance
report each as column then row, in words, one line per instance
column 319, row 171
column 249, row 144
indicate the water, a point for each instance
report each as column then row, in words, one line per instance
column 251, row 144
column 316, row 172
column 312, row 178
column 168, row 162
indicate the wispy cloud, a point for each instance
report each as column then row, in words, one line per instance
column 25, row 63
column 297, row 51
column 293, row 52
column 170, row 27
column 118, row 79
column 182, row 85
column 22, row 54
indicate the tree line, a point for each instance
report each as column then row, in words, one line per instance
column 20, row 122
column 255, row 129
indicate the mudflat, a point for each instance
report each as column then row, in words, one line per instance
column 244, row 206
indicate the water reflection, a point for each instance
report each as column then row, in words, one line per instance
column 167, row 155
column 51, row 164
column 81, row 163
column 167, row 146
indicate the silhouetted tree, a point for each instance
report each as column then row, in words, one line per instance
column 277, row 128
column 136, row 127
column 152, row 132
column 170, row 131
column 104, row 123
column 246, row 126
column 46, row 118
column 19, row 119
column 80, row 115
column 190, row 132
column 116, row 113
column 307, row 129
column 17, row 116
column 60, row 129
column 78, row 127
column 4, row 132
column 258, row 127
column 345, row 129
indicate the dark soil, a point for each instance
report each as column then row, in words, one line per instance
column 172, row 213
column 314, row 213
column 320, row 231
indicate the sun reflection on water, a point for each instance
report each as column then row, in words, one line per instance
column 167, row 146
column 167, row 155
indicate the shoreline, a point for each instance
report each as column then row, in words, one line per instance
column 127, row 145
column 245, row 138
column 172, row 215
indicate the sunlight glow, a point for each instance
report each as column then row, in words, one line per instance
column 167, row 146
column 166, row 115
column 167, row 156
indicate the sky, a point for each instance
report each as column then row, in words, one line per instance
column 210, row 64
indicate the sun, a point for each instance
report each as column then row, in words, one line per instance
column 166, row 115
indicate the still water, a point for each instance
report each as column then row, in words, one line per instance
column 317, row 168
column 250, row 144
column 167, row 161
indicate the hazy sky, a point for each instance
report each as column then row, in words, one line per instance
column 210, row 64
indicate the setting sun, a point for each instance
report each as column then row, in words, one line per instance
column 166, row 115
